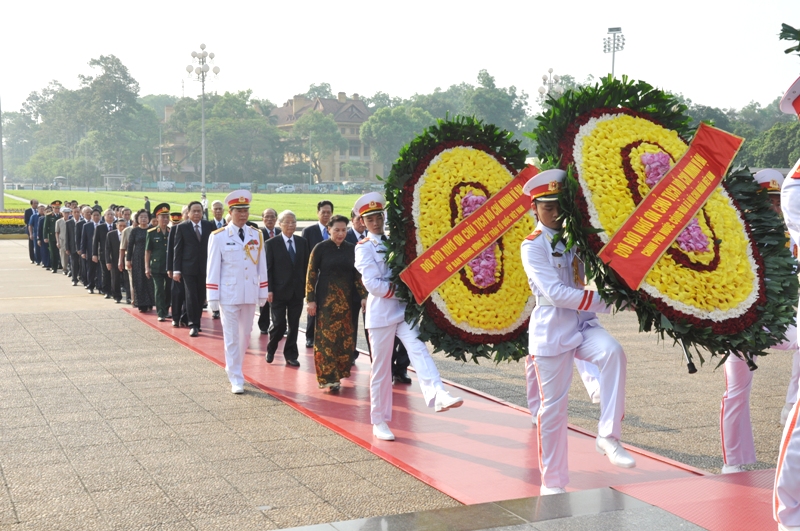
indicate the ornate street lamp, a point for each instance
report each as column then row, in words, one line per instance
column 550, row 84
column 613, row 44
column 202, row 58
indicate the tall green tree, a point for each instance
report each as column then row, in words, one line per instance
column 389, row 129
column 316, row 136
column 323, row 90
column 502, row 107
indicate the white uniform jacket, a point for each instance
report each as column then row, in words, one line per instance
column 790, row 203
column 383, row 308
column 236, row 271
column 564, row 307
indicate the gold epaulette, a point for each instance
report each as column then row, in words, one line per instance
column 219, row 230
column 151, row 230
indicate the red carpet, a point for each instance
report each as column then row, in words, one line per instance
column 482, row 452
column 717, row 503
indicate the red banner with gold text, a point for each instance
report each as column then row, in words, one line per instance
column 670, row 206
column 469, row 238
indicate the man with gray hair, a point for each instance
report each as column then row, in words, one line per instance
column 218, row 214
column 287, row 263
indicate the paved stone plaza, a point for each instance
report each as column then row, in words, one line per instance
column 108, row 424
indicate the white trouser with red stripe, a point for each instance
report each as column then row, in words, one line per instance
column 791, row 344
column 588, row 372
column 786, row 498
column 237, row 324
column 736, row 431
column 380, row 381
column 554, row 374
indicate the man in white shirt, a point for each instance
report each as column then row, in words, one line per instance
column 386, row 321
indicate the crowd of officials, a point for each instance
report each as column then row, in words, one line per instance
column 158, row 260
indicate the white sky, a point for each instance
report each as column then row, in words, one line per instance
column 723, row 54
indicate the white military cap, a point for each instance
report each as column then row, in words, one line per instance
column 790, row 103
column 545, row 186
column 769, row 179
column 369, row 204
column 239, row 199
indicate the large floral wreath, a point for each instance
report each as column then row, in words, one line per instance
column 440, row 178
column 726, row 283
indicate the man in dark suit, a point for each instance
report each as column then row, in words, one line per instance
column 313, row 235
column 189, row 263
column 176, row 296
column 287, row 263
column 147, row 204
column 86, row 249
column 99, row 250
column 113, row 239
column 77, row 267
column 269, row 217
column 28, row 214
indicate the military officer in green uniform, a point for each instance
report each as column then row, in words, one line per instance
column 155, row 259
column 50, row 235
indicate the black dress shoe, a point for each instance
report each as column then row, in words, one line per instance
column 107, row 296
column 401, row 378
column 264, row 332
column 309, row 343
column 118, row 301
column 215, row 315
column 270, row 357
column 91, row 292
column 127, row 301
column 176, row 324
column 193, row 332
column 74, row 283
column 293, row 363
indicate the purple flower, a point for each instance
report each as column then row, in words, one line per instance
column 692, row 238
column 484, row 265
column 656, row 165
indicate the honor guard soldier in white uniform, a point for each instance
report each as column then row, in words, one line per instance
column 735, row 426
column 786, row 499
column 385, row 320
column 563, row 327
column 236, row 282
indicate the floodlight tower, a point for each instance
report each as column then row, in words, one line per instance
column 613, row 44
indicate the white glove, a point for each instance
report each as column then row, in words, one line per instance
column 214, row 305
column 261, row 302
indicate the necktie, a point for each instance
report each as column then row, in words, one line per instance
column 197, row 232
column 109, row 228
column 241, row 233
column 271, row 233
column 292, row 254
column 219, row 224
column 325, row 233
column 383, row 238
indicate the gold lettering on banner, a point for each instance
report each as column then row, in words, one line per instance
column 670, row 192
column 469, row 231
column 643, row 226
column 437, row 257
column 661, row 205
column 449, row 247
column 623, row 250
column 649, row 249
column 459, row 240
column 655, row 217
column 427, row 265
column 632, row 238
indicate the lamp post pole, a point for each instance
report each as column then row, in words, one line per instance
column 202, row 57
column 613, row 44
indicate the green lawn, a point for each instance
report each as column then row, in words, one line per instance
column 303, row 205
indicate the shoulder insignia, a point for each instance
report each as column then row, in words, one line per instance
column 151, row 230
column 365, row 240
column 218, row 230
column 535, row 234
